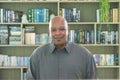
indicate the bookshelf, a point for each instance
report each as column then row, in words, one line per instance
column 87, row 22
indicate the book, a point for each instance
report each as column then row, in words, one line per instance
column 15, row 35
column 114, row 15
column 29, row 29
column 30, row 38
column 98, row 15
column 4, row 34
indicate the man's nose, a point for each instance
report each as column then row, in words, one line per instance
column 58, row 32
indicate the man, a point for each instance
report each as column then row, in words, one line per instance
column 61, row 59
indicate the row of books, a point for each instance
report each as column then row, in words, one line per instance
column 38, row 15
column 30, row 37
column 38, row 39
column 87, row 37
column 71, row 14
column 6, row 60
column 113, row 13
column 82, row 36
column 77, row 36
column 4, row 34
column 106, row 59
column 10, row 35
column 107, row 37
column 42, row 15
column 100, row 59
column 14, row 35
column 34, row 15
column 9, row 15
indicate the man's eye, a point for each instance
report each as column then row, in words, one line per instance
column 53, row 30
column 62, row 29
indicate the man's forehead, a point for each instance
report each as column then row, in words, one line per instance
column 53, row 27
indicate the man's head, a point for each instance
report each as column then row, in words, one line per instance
column 58, row 29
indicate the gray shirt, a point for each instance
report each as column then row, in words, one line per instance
column 71, row 62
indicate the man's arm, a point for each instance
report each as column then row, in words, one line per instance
column 91, row 69
column 31, row 69
column 29, row 75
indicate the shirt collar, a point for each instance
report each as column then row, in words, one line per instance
column 67, row 47
column 52, row 47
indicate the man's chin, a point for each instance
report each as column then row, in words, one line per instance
column 58, row 43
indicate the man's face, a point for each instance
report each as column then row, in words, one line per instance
column 58, row 33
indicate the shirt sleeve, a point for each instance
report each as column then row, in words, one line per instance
column 91, row 69
column 31, row 69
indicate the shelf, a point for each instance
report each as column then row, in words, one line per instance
column 10, row 23
column 79, row 44
column 107, row 23
column 100, row 45
column 28, row 1
column 24, row 67
column 68, row 23
column 67, row 1
column 13, row 67
column 108, row 66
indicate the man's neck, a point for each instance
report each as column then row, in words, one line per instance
column 61, row 46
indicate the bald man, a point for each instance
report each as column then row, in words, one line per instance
column 61, row 59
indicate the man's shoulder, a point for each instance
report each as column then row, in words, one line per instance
column 40, row 51
column 43, row 47
column 79, row 48
column 72, row 44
